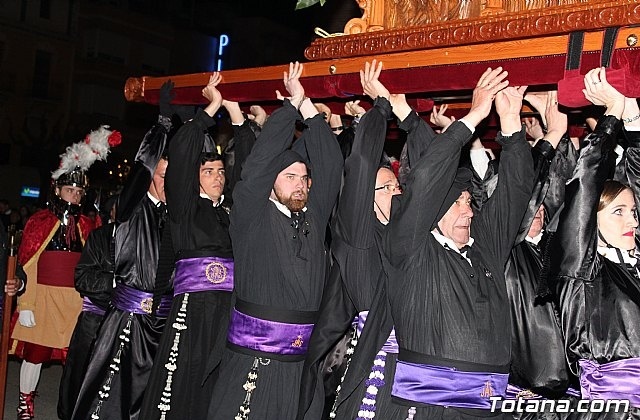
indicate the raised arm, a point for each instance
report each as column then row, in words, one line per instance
column 240, row 146
column 429, row 181
column 355, row 218
column 322, row 150
column 259, row 172
column 543, row 154
column 631, row 120
column 182, row 182
column 574, row 249
column 147, row 158
column 419, row 133
column 501, row 215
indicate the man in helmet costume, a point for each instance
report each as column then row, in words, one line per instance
column 51, row 245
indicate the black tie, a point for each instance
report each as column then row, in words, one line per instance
column 162, row 212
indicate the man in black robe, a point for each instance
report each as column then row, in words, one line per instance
column 94, row 282
column 185, row 369
column 362, row 215
column 278, row 229
column 127, row 341
column 446, row 292
column 538, row 363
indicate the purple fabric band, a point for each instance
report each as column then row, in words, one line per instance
column 613, row 380
column 447, row 386
column 88, row 306
column 389, row 346
column 268, row 336
column 203, row 274
column 128, row 299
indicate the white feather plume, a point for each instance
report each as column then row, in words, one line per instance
column 84, row 153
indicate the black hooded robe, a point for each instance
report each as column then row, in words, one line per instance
column 450, row 311
column 277, row 266
column 129, row 340
column 198, row 229
column 599, row 299
column 94, row 281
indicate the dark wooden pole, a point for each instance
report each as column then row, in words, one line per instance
column 12, row 260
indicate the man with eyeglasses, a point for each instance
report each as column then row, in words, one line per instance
column 445, row 294
column 361, row 218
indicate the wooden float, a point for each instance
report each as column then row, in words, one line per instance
column 433, row 55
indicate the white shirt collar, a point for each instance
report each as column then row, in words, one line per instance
column 612, row 255
column 154, row 200
column 282, row 208
column 215, row 204
column 449, row 244
column 535, row 240
column 619, row 152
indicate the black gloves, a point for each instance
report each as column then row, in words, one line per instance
column 166, row 96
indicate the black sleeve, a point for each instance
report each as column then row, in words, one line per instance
column 336, row 314
column 575, row 245
column 147, row 158
column 428, row 183
column 573, row 261
column 94, row 271
column 543, row 152
column 420, row 135
column 498, row 222
column 355, row 219
column 243, row 141
column 561, row 169
column 632, row 166
column 482, row 188
column 323, row 152
column 182, row 180
column 250, row 195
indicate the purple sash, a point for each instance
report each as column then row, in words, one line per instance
column 128, row 299
column 613, row 380
column 268, row 336
column 447, row 386
column 203, row 274
column 88, row 306
column 389, row 346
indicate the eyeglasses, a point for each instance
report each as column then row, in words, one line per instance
column 390, row 188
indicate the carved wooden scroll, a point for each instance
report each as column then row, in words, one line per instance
column 381, row 15
column 407, row 25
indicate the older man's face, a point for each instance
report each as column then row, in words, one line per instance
column 456, row 222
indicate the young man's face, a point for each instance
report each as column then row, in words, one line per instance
column 212, row 179
column 70, row 194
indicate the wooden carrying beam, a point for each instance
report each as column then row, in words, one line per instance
column 430, row 48
column 430, row 73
